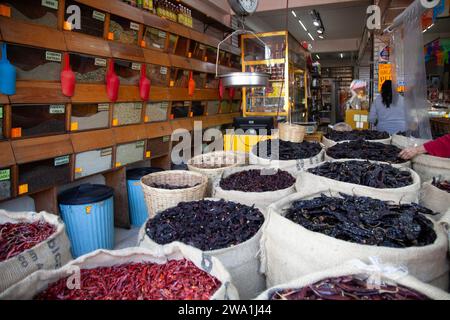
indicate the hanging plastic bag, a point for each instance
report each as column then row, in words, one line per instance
column 191, row 84
column 144, row 84
column 112, row 83
column 67, row 78
column 7, row 74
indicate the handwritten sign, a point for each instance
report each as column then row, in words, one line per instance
column 384, row 73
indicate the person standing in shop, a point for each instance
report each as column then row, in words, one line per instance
column 388, row 112
column 438, row 148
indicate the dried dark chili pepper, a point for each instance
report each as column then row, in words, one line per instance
column 16, row 238
column 380, row 176
column 206, row 225
column 287, row 150
column 174, row 280
column 442, row 184
column 365, row 221
column 348, row 288
column 171, row 187
column 356, row 135
column 366, row 150
column 258, row 181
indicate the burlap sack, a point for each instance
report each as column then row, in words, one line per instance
column 261, row 200
column 356, row 267
column 330, row 143
column 403, row 142
column 434, row 199
column 39, row 281
column 50, row 254
column 242, row 262
column 290, row 251
column 429, row 167
column 310, row 183
column 406, row 164
column 298, row 165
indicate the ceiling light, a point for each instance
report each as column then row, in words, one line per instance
column 293, row 12
column 317, row 56
column 300, row 21
column 312, row 38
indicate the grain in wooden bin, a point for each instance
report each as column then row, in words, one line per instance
column 88, row 69
column 126, row 113
column 197, row 50
column 91, row 162
column 124, row 30
column 156, row 111
column 158, row 75
column 236, row 106
column 128, row 72
column 92, row 20
column 198, row 108
column 179, row 78
column 213, row 107
column 155, row 38
column 89, row 116
column 5, row 183
column 180, row 109
column 158, row 146
column 225, row 106
column 35, row 11
column 130, row 153
column 211, row 82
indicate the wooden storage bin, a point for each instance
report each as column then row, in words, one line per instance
column 158, row 147
column 225, row 106
column 158, row 75
column 5, row 183
column 34, row 11
column 128, row 72
column 88, row 69
column 40, row 175
column 179, row 78
column 213, row 107
column 211, row 82
column 199, row 78
column 129, row 153
column 198, row 108
column 35, row 63
column 89, row 116
column 126, row 113
column 196, row 50
column 235, row 62
column 92, row 20
column 123, row 30
column 181, row 47
column 180, row 109
column 210, row 55
column 2, row 120
column 156, row 111
column 92, row 162
column 236, row 106
column 37, row 120
column 155, row 38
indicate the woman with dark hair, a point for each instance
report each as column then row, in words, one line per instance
column 388, row 112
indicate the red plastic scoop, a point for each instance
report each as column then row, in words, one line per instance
column 112, row 83
column 67, row 78
column 221, row 90
column 191, row 84
column 144, row 84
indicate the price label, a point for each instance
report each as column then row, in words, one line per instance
column 74, row 126
column 53, row 56
column 99, row 62
column 57, row 109
column 136, row 66
column 148, row 154
column 23, row 188
column 100, row 16
column 78, row 170
column 52, row 4
column 134, row 26
column 163, row 70
column 106, row 152
column 103, row 107
column 140, row 144
column 60, row 161
column 5, row 175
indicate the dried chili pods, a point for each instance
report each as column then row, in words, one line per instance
column 206, row 225
column 287, row 150
column 348, row 288
column 171, row 187
column 360, row 149
column 174, row 280
column 16, row 238
column 357, row 134
column 442, row 184
column 365, row 221
column 258, row 181
column 380, row 176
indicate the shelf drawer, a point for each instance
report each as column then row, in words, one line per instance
column 156, row 111
column 123, row 30
column 92, row 162
column 128, row 72
column 158, row 75
column 127, row 113
column 130, row 153
column 158, row 147
column 88, row 69
column 35, row 11
column 89, row 116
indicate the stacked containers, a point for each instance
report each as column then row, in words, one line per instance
column 88, row 212
column 136, row 201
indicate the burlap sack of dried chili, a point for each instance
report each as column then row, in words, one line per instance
column 369, row 274
column 406, row 164
column 37, row 283
column 311, row 183
column 290, row 251
column 403, row 142
column 26, row 253
column 261, row 200
column 434, row 198
column 328, row 143
column 428, row 167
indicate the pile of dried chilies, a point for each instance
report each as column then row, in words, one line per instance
column 366, row 150
column 380, row 176
column 206, row 225
column 357, row 134
column 258, row 181
column 442, row 184
column 365, row 221
column 287, row 150
column 348, row 288
column 16, row 238
column 174, row 280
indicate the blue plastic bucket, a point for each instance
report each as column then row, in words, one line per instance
column 88, row 212
column 136, row 202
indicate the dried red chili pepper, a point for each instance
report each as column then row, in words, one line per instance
column 16, row 238
column 175, row 280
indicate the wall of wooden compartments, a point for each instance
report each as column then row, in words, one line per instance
column 47, row 139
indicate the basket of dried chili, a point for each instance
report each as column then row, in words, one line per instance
column 166, row 189
column 355, row 280
column 178, row 273
column 30, row 241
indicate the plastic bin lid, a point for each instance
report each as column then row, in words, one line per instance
column 85, row 194
column 138, row 173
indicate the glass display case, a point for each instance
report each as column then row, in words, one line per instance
column 279, row 98
column 34, row 11
column 213, row 107
column 92, row 20
column 211, row 81
column 196, row 50
column 88, row 69
column 158, row 147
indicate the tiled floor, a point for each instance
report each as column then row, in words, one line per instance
column 126, row 238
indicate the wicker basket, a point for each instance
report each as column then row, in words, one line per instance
column 216, row 163
column 160, row 199
column 292, row 132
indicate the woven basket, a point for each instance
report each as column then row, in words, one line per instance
column 292, row 132
column 215, row 160
column 160, row 199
